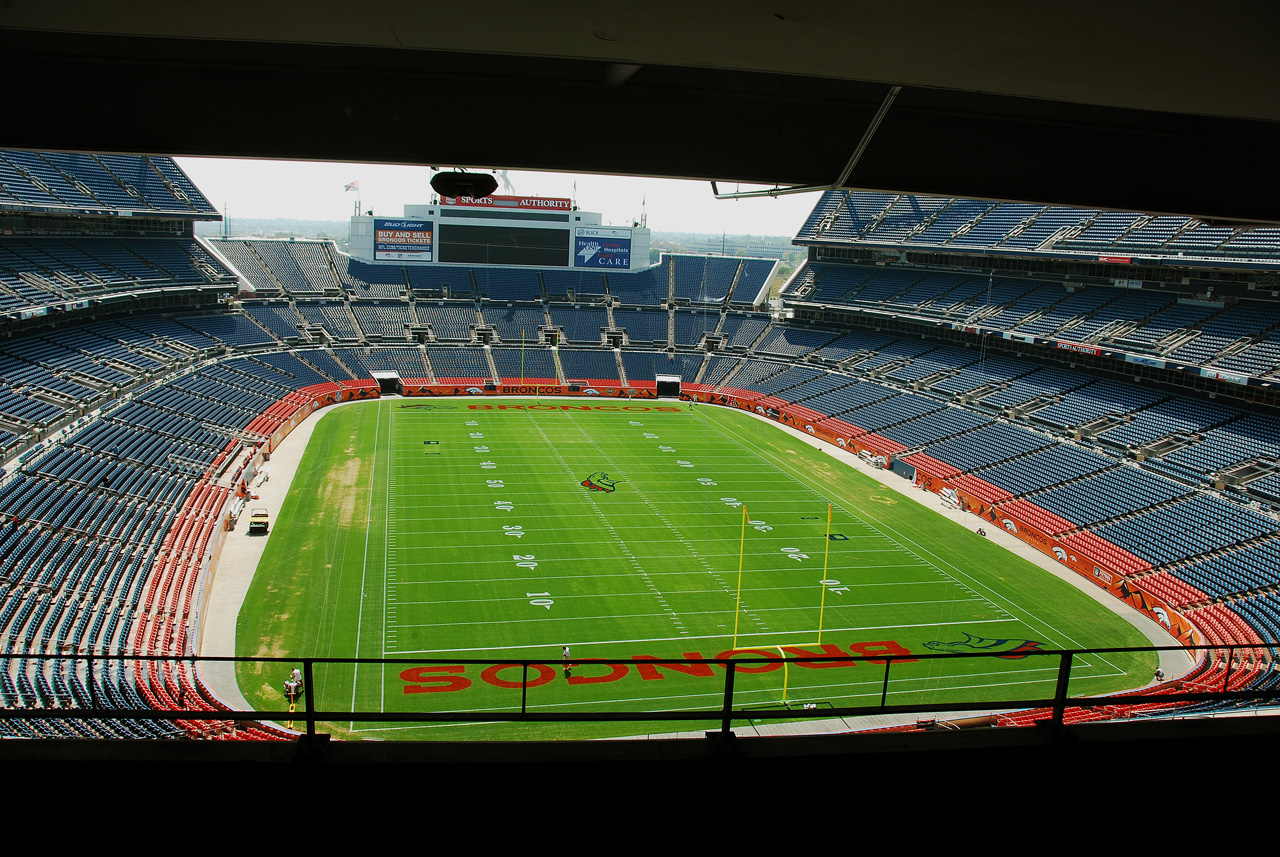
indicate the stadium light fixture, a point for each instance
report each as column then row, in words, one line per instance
column 464, row 184
column 848, row 168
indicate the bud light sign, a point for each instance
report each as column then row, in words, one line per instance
column 395, row 240
column 602, row 248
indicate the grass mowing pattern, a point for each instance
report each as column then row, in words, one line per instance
column 396, row 541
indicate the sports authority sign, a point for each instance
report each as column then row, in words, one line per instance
column 1077, row 347
column 402, row 240
column 519, row 202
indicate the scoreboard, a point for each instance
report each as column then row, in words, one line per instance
column 541, row 232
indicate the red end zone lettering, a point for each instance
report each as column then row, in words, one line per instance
column 827, row 649
column 448, row 678
column 420, row 680
column 755, row 653
column 882, row 647
column 544, row 675
column 616, row 671
column 650, row 672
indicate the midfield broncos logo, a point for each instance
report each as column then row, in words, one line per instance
column 599, row 481
column 1015, row 649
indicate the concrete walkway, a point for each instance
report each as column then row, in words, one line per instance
column 242, row 552
column 239, row 562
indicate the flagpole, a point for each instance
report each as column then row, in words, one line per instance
column 354, row 186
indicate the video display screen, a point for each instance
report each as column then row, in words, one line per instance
column 503, row 245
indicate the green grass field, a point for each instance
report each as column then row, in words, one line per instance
column 455, row 529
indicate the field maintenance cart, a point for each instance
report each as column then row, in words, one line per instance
column 259, row 521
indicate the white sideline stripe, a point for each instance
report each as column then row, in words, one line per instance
column 368, row 516
column 386, row 543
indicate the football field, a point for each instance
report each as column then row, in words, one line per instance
column 486, row 528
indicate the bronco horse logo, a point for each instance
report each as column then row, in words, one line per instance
column 1013, row 649
column 599, row 481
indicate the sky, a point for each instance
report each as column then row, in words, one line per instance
column 307, row 190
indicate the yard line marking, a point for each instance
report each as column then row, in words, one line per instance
column 881, row 526
column 368, row 516
column 421, row 548
column 456, row 580
column 712, row 573
column 635, row 562
column 769, row 554
column 678, row 503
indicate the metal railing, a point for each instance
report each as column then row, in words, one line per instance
column 1172, row 693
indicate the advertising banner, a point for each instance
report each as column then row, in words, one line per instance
column 1077, row 347
column 530, row 388
column 519, row 202
column 1144, row 361
column 1229, row 377
column 595, row 247
column 1117, row 584
column 403, row 240
column 1086, row 566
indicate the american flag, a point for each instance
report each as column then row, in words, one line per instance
column 352, row 186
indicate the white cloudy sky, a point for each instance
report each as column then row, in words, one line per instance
column 314, row 191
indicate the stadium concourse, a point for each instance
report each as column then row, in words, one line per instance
column 1098, row 385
